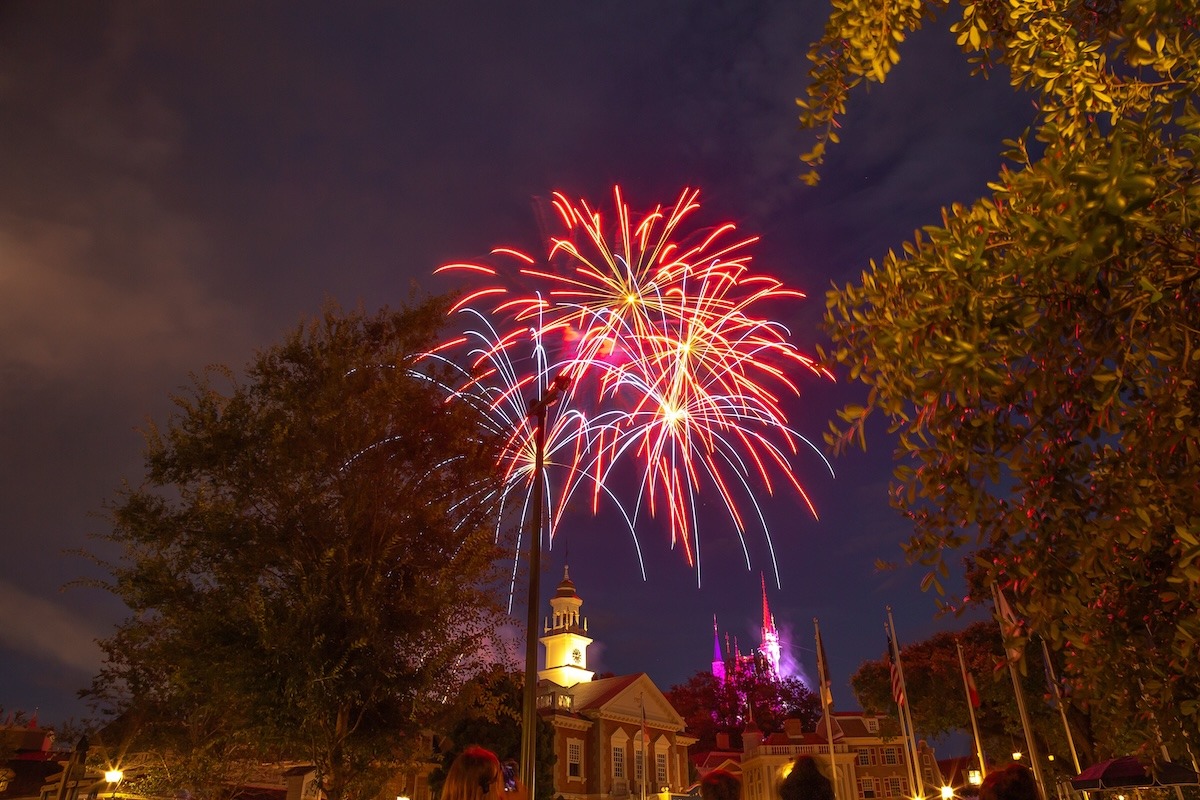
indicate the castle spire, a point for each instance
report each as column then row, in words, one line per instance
column 718, row 659
column 770, row 648
column 768, row 623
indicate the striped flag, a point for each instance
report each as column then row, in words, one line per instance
column 897, row 684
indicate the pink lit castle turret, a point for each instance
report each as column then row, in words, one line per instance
column 718, row 662
column 764, row 661
column 769, row 649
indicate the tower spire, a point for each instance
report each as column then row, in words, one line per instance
column 768, row 619
column 769, row 648
column 718, row 659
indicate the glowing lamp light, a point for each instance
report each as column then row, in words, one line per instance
column 1018, row 755
column 947, row 792
column 113, row 776
column 402, row 797
column 974, row 777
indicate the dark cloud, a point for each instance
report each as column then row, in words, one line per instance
column 182, row 182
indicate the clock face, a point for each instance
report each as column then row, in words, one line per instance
column 576, row 656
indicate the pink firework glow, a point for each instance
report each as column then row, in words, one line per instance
column 672, row 366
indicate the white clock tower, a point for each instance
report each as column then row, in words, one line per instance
column 566, row 638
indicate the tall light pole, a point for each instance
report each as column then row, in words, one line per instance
column 537, row 411
column 78, row 756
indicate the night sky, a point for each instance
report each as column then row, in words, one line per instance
column 182, row 183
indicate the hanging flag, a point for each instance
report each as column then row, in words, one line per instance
column 1051, row 689
column 1010, row 626
column 972, row 691
column 897, row 684
column 645, row 730
column 823, row 670
column 826, row 702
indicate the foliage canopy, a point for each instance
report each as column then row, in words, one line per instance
column 710, row 707
column 938, row 698
column 308, row 561
column 1038, row 351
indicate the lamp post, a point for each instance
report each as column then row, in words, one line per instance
column 113, row 778
column 78, row 756
column 537, row 411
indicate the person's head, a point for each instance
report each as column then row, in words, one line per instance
column 1014, row 782
column 474, row 775
column 720, row 785
column 806, row 782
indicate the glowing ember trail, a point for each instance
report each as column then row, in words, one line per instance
column 673, row 369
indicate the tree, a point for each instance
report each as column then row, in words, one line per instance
column 1037, row 351
column 308, row 562
column 933, row 679
column 493, row 720
column 710, row 707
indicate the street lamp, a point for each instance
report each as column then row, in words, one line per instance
column 537, row 411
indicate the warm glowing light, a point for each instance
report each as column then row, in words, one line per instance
column 674, row 368
column 947, row 792
column 113, row 776
column 1018, row 755
column 974, row 777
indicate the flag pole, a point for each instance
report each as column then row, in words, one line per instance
column 962, row 663
column 643, row 737
column 898, row 696
column 1008, row 618
column 826, row 706
column 906, row 708
column 1058, row 700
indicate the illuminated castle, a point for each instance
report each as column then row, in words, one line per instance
column 765, row 660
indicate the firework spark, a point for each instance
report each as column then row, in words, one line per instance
column 672, row 366
column 499, row 373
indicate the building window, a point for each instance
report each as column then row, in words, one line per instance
column 566, row 702
column 864, row 757
column 872, row 725
column 866, row 788
column 889, row 756
column 660, row 768
column 894, row 789
column 928, row 776
column 618, row 762
column 639, row 770
column 574, row 759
